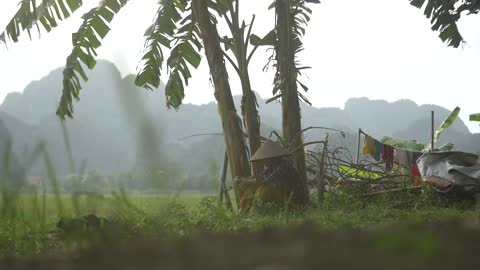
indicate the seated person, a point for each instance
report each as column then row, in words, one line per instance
column 279, row 183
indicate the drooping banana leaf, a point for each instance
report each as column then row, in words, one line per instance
column 48, row 12
column 448, row 122
column 174, row 28
column 94, row 28
column 475, row 117
column 185, row 53
column 444, row 15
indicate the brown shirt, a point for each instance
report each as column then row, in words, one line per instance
column 285, row 177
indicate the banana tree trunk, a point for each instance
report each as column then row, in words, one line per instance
column 251, row 119
column 250, row 115
column 232, row 128
column 291, row 117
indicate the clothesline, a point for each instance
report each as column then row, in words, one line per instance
column 363, row 132
column 390, row 154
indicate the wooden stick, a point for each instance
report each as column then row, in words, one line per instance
column 223, row 187
column 358, row 144
column 433, row 131
column 223, row 177
column 322, row 173
column 392, row 190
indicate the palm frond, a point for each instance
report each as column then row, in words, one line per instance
column 174, row 28
column 48, row 13
column 85, row 42
column 444, row 15
column 185, row 51
column 159, row 34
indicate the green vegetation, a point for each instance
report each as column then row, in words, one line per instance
column 29, row 221
column 62, row 213
column 475, row 117
column 444, row 16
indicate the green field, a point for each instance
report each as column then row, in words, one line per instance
column 29, row 222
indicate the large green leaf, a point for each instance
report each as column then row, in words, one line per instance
column 174, row 28
column 444, row 15
column 475, row 117
column 268, row 40
column 85, row 42
column 448, row 122
column 159, row 35
column 48, row 13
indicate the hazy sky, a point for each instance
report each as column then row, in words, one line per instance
column 374, row 48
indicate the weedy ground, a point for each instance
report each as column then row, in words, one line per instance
column 29, row 222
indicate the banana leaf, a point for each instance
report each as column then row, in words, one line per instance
column 475, row 117
column 448, row 122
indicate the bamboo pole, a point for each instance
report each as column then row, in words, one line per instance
column 358, row 145
column 223, row 193
column 223, row 178
column 320, row 194
column 433, row 132
column 228, row 201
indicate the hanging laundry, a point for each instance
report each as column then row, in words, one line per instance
column 416, row 156
column 416, row 178
column 369, row 146
column 413, row 157
column 387, row 156
column 378, row 150
column 401, row 158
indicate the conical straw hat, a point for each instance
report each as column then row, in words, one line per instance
column 270, row 149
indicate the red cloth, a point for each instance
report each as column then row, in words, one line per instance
column 387, row 156
column 415, row 176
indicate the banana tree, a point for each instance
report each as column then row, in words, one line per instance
column 238, row 44
column 178, row 27
column 291, row 19
column 444, row 15
column 236, row 149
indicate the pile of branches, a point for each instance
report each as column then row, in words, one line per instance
column 333, row 169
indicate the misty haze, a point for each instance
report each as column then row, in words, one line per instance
column 200, row 134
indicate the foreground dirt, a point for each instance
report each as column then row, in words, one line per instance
column 451, row 245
